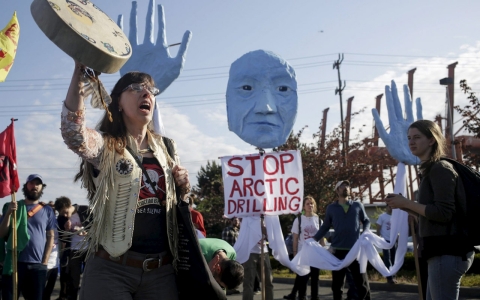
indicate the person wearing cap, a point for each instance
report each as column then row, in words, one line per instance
column 345, row 216
column 36, row 224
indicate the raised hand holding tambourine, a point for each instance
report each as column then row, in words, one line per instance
column 84, row 32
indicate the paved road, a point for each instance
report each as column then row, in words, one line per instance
column 283, row 286
column 379, row 291
column 325, row 293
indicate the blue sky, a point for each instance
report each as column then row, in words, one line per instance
column 381, row 40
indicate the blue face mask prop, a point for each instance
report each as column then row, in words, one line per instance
column 262, row 99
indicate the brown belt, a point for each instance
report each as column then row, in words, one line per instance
column 148, row 264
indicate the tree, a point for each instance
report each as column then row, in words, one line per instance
column 322, row 168
column 471, row 120
column 210, row 192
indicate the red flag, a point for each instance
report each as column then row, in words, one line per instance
column 9, row 182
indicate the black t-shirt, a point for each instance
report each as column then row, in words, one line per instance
column 150, row 231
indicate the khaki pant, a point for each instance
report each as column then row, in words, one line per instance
column 251, row 268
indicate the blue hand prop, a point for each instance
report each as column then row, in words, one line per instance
column 396, row 140
column 152, row 58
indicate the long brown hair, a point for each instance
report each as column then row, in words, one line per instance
column 116, row 130
column 431, row 130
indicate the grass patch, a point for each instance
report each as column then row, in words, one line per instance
column 286, row 273
column 403, row 276
column 470, row 280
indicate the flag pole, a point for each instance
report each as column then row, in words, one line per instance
column 14, row 250
column 14, row 233
column 262, row 257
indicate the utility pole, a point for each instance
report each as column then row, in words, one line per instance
column 447, row 82
column 323, row 128
column 451, row 103
column 339, row 90
column 347, row 121
column 410, row 81
column 378, row 105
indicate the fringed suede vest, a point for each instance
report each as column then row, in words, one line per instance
column 117, row 189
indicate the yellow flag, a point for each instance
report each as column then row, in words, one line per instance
column 8, row 46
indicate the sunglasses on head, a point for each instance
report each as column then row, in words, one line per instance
column 139, row 87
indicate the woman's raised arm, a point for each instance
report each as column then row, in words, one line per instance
column 74, row 100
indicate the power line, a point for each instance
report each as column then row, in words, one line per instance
column 289, row 59
column 183, row 78
column 395, row 65
column 406, row 55
column 194, row 102
column 67, row 84
column 184, row 96
column 75, row 169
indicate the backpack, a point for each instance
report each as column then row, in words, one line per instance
column 289, row 244
column 471, row 184
column 299, row 223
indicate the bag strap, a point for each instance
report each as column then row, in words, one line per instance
column 169, row 146
column 149, row 181
column 299, row 223
column 36, row 209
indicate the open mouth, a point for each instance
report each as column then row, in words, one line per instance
column 145, row 106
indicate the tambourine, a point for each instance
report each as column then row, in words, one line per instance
column 84, row 32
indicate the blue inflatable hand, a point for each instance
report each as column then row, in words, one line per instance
column 396, row 140
column 152, row 58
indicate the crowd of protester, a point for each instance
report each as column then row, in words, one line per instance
column 51, row 238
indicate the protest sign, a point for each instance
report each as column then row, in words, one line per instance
column 269, row 184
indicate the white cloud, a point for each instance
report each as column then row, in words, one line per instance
column 426, row 85
column 196, row 147
column 216, row 115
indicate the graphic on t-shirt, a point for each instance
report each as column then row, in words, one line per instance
column 150, row 234
column 75, row 222
column 148, row 201
column 158, row 179
column 309, row 231
column 149, row 210
column 388, row 225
